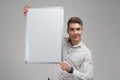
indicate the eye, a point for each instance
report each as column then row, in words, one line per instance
column 71, row 29
column 77, row 29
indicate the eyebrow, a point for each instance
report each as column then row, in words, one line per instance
column 74, row 28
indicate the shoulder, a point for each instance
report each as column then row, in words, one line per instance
column 88, row 51
column 65, row 40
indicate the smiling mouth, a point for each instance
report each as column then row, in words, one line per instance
column 75, row 36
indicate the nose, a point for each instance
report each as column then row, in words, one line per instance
column 75, row 31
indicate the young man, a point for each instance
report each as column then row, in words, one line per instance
column 75, row 55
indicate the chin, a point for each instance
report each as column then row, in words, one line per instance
column 76, row 39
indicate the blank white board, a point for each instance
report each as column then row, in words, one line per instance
column 44, row 34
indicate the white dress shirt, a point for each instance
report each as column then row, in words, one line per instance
column 77, row 56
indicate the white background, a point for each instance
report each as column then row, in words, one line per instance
column 101, row 34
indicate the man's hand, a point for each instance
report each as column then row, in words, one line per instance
column 25, row 9
column 65, row 66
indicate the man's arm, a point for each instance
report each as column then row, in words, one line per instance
column 87, row 68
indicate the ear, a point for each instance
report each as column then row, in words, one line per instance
column 67, row 31
column 82, row 29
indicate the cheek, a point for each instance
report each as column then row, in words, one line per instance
column 81, row 32
column 71, row 33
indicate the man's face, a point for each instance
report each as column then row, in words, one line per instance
column 75, row 31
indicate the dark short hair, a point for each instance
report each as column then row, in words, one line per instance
column 74, row 20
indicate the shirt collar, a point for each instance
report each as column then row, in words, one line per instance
column 78, row 45
column 75, row 46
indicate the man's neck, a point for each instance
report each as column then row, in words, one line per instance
column 75, row 42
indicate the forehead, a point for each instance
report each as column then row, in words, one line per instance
column 75, row 25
